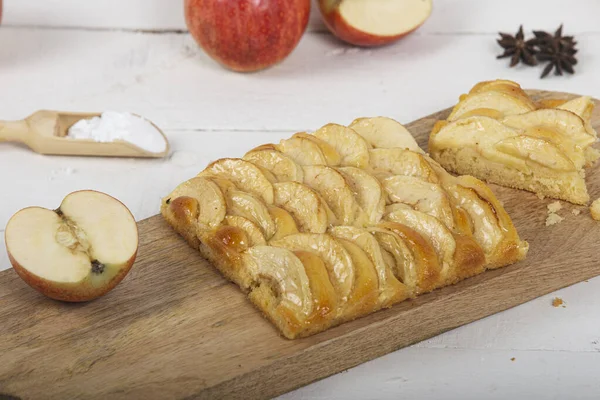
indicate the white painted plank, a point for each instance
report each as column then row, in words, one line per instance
column 449, row 16
column 166, row 78
column 447, row 374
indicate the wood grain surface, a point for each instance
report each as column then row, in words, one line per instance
column 175, row 329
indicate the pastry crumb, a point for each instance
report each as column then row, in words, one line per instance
column 576, row 211
column 554, row 207
column 513, row 359
column 557, row 302
column 553, row 219
column 595, row 209
column 540, row 196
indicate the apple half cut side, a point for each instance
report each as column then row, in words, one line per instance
column 77, row 252
column 374, row 22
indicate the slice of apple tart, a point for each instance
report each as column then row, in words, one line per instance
column 327, row 227
column 498, row 134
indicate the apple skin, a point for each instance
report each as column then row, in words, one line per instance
column 343, row 31
column 70, row 292
column 247, row 35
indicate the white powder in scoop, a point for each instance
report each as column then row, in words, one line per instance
column 111, row 126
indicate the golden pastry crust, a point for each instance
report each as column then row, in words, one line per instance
column 317, row 234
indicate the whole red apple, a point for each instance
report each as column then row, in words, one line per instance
column 374, row 22
column 247, row 35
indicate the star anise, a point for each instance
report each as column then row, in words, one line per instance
column 518, row 48
column 544, row 38
column 558, row 50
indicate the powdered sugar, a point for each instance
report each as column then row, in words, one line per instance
column 112, row 125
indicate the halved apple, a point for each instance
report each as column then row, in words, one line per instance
column 245, row 175
column 391, row 290
column 334, row 255
column 77, row 252
column 374, row 23
column 332, row 157
column 302, row 150
column 368, row 192
column 424, row 196
column 402, row 162
column 303, row 203
column 253, row 231
column 352, row 148
column 332, row 186
column 566, row 123
column 283, row 167
column 383, row 132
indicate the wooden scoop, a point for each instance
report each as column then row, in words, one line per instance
column 45, row 133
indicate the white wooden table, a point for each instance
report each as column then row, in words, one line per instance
column 134, row 55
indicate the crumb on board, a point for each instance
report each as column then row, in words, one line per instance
column 513, row 359
column 557, row 302
column 540, row 196
column 553, row 219
column 595, row 209
column 576, row 211
column 554, row 207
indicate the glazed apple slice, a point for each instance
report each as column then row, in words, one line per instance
column 305, row 205
column 332, row 186
column 383, row 132
column 368, row 192
column 77, row 252
column 283, row 167
column 245, row 175
column 353, row 149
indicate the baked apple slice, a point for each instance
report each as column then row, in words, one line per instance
column 368, row 192
column 285, row 224
column 283, row 167
column 423, row 196
column 77, row 252
column 383, row 132
column 245, row 175
column 402, row 162
column 305, row 205
column 302, row 150
column 253, row 231
column 390, row 289
column 332, row 186
column 332, row 157
column 352, row 148
column 334, row 255
column 278, row 285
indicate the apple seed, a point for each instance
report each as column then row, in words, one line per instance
column 97, row 267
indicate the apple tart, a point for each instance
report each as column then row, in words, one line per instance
column 326, row 227
column 497, row 133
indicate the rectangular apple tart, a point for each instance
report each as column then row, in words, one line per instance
column 497, row 133
column 326, row 227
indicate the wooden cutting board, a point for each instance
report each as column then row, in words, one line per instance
column 174, row 329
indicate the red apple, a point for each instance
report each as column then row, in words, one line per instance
column 374, row 22
column 247, row 35
column 76, row 253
